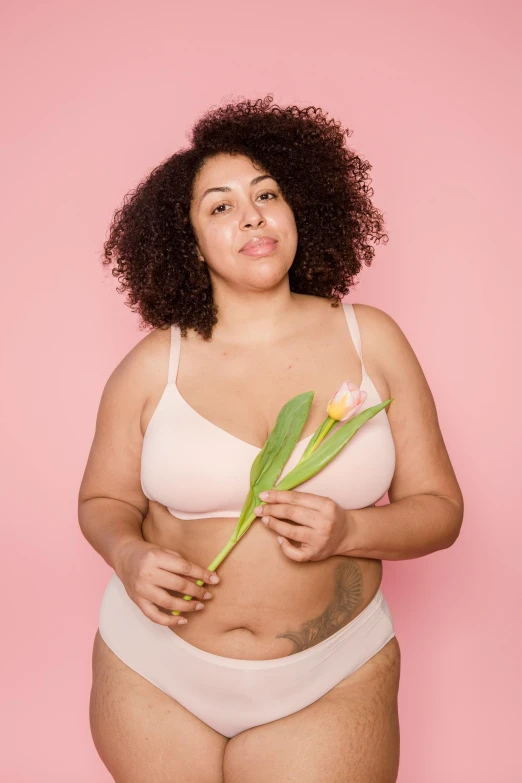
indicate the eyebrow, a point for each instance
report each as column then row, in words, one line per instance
column 226, row 189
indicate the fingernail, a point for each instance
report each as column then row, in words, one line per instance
column 263, row 495
column 199, row 606
column 280, row 539
column 207, row 595
column 214, row 579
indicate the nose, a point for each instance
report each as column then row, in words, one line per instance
column 254, row 223
column 253, row 217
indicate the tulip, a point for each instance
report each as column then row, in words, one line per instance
column 279, row 445
column 346, row 401
column 341, row 407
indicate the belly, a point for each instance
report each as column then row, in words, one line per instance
column 266, row 605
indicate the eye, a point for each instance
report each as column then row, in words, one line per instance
column 265, row 193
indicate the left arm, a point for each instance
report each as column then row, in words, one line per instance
column 426, row 505
column 402, row 529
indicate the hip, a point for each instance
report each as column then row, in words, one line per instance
column 232, row 694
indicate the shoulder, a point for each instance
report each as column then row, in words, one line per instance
column 144, row 366
column 374, row 321
column 384, row 343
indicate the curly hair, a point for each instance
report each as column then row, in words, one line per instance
column 325, row 183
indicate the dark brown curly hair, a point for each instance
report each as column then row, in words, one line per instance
column 324, row 182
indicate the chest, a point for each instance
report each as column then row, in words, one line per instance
column 205, row 428
column 242, row 391
column 197, row 469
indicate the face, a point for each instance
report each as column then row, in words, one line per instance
column 232, row 202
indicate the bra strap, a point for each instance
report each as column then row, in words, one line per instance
column 353, row 326
column 175, row 341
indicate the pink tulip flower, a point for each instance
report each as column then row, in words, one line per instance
column 346, row 401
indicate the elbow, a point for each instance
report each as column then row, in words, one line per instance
column 450, row 538
column 454, row 521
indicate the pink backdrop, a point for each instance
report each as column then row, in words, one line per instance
column 96, row 94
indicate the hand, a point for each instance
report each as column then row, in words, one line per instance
column 148, row 572
column 320, row 524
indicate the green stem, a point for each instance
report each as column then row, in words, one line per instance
column 238, row 533
column 243, row 525
column 319, row 436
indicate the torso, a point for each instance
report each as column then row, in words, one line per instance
column 266, row 605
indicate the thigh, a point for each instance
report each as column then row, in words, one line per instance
column 350, row 735
column 142, row 734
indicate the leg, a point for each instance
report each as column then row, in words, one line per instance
column 350, row 735
column 142, row 734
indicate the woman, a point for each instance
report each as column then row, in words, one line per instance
column 237, row 251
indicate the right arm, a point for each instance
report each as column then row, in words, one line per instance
column 111, row 502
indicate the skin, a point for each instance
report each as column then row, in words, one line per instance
column 261, row 323
column 253, row 295
column 341, row 609
column 258, row 310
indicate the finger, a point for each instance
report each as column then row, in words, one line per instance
column 292, row 552
column 172, row 561
column 294, row 497
column 153, row 613
column 297, row 514
column 161, row 598
column 295, row 532
column 179, row 584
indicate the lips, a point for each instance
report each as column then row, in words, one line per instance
column 255, row 242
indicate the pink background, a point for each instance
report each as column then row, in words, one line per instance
column 94, row 96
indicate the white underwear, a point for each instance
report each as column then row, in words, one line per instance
column 233, row 694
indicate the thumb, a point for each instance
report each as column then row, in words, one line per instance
column 289, row 550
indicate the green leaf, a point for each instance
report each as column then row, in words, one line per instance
column 284, row 436
column 278, row 447
column 329, row 448
column 257, row 464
